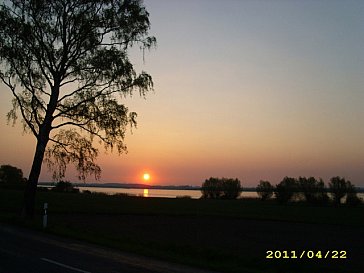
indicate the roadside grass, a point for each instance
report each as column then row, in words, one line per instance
column 10, row 201
column 244, row 208
column 204, row 233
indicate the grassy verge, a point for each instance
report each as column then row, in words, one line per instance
column 229, row 236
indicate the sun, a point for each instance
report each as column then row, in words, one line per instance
column 146, row 177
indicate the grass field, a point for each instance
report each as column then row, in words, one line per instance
column 224, row 235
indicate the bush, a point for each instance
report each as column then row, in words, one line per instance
column 11, row 175
column 65, row 186
column 183, row 197
column 286, row 190
column 43, row 189
column 339, row 188
column 221, row 188
column 313, row 190
column 265, row 190
column 231, row 188
column 352, row 198
column 122, row 194
column 212, row 188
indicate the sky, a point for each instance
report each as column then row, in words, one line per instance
column 247, row 89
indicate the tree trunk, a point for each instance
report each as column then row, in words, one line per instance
column 31, row 187
column 42, row 141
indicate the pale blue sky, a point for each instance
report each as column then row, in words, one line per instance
column 247, row 89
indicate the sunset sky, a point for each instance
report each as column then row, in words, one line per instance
column 247, row 89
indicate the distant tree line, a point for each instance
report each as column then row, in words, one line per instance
column 307, row 189
column 310, row 190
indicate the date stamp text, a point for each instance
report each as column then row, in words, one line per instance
column 306, row 254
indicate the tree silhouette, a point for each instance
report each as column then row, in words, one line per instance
column 338, row 187
column 265, row 190
column 212, row 188
column 286, row 190
column 221, row 188
column 231, row 188
column 352, row 198
column 66, row 64
column 11, row 175
column 313, row 190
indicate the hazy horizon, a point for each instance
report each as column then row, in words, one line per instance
column 254, row 90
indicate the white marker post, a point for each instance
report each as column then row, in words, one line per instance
column 45, row 216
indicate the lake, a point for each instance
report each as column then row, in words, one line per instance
column 168, row 193
column 195, row 194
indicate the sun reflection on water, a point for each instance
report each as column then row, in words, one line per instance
column 145, row 193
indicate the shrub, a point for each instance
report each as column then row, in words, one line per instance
column 338, row 187
column 313, row 190
column 231, row 188
column 65, row 186
column 212, row 188
column 265, row 190
column 11, row 175
column 122, row 194
column 43, row 189
column 286, row 190
column 183, row 197
column 352, row 198
column 221, row 188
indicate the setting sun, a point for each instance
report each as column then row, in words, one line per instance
column 146, row 177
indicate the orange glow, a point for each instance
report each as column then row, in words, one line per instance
column 146, row 177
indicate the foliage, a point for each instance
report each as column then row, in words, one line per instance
column 212, row 188
column 338, row 187
column 221, row 188
column 313, row 190
column 231, row 188
column 66, row 64
column 123, row 195
column 183, row 197
column 286, row 190
column 265, row 190
column 65, row 186
column 64, row 61
column 352, row 198
column 11, row 175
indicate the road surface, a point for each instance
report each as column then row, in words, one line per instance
column 24, row 251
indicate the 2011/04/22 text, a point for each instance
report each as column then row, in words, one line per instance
column 310, row 254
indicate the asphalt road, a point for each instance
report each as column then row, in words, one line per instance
column 24, row 251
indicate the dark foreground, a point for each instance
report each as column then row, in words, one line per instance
column 238, row 245
column 220, row 235
column 24, row 251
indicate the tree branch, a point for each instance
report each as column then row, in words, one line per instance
column 98, row 94
column 22, row 109
column 81, row 126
